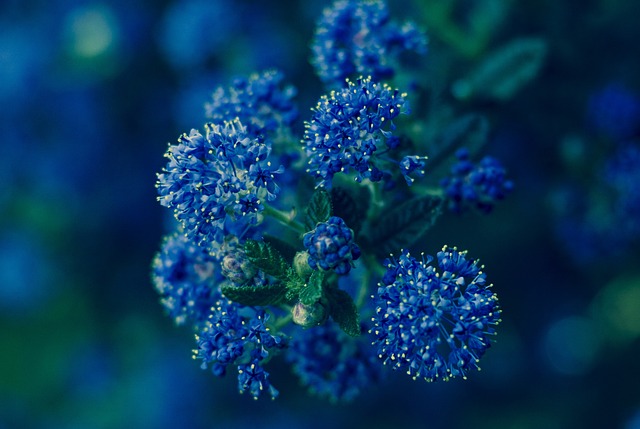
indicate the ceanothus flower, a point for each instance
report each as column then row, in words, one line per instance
column 435, row 322
column 358, row 38
column 238, row 335
column 332, row 364
column 412, row 165
column 472, row 185
column 259, row 101
column 349, row 126
column 186, row 276
column 224, row 175
column 331, row 246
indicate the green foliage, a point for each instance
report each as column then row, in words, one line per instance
column 266, row 258
column 312, row 291
column 352, row 210
column 403, row 226
column 285, row 249
column 294, row 286
column 319, row 209
column 344, row 311
column 504, row 71
column 269, row 294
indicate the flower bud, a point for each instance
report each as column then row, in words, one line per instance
column 237, row 268
column 301, row 264
column 309, row 315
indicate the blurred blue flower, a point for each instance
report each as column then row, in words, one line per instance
column 358, row 38
column 260, row 101
column 614, row 111
column 27, row 277
column 331, row 364
column 186, row 276
column 479, row 186
column 193, row 31
column 622, row 173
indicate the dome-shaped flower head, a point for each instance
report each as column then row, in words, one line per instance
column 260, row 101
column 222, row 175
column 332, row 364
column 434, row 321
column 471, row 185
column 614, row 111
column 186, row 276
column 331, row 246
column 358, row 38
column 349, row 126
column 237, row 335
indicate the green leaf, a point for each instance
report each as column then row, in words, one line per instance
column 505, row 71
column 270, row 294
column 294, row 285
column 266, row 258
column 353, row 211
column 312, row 291
column 343, row 310
column 404, row 225
column 284, row 248
column 319, row 209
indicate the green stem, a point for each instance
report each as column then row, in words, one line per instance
column 429, row 190
column 285, row 218
column 377, row 202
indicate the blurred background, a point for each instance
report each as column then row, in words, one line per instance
column 91, row 92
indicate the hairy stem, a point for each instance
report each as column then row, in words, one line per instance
column 286, row 218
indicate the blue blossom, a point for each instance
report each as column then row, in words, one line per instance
column 186, row 276
column 238, row 335
column 358, row 38
column 331, row 364
column 614, row 111
column 331, row 246
column 223, row 176
column 349, row 126
column 479, row 186
column 254, row 379
column 434, row 323
column 412, row 165
column 260, row 101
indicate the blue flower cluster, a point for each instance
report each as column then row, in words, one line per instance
column 237, row 335
column 479, row 186
column 186, row 276
column 349, row 126
column 358, row 37
column 223, row 174
column 331, row 246
column 331, row 364
column 260, row 101
column 436, row 324
column 222, row 186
